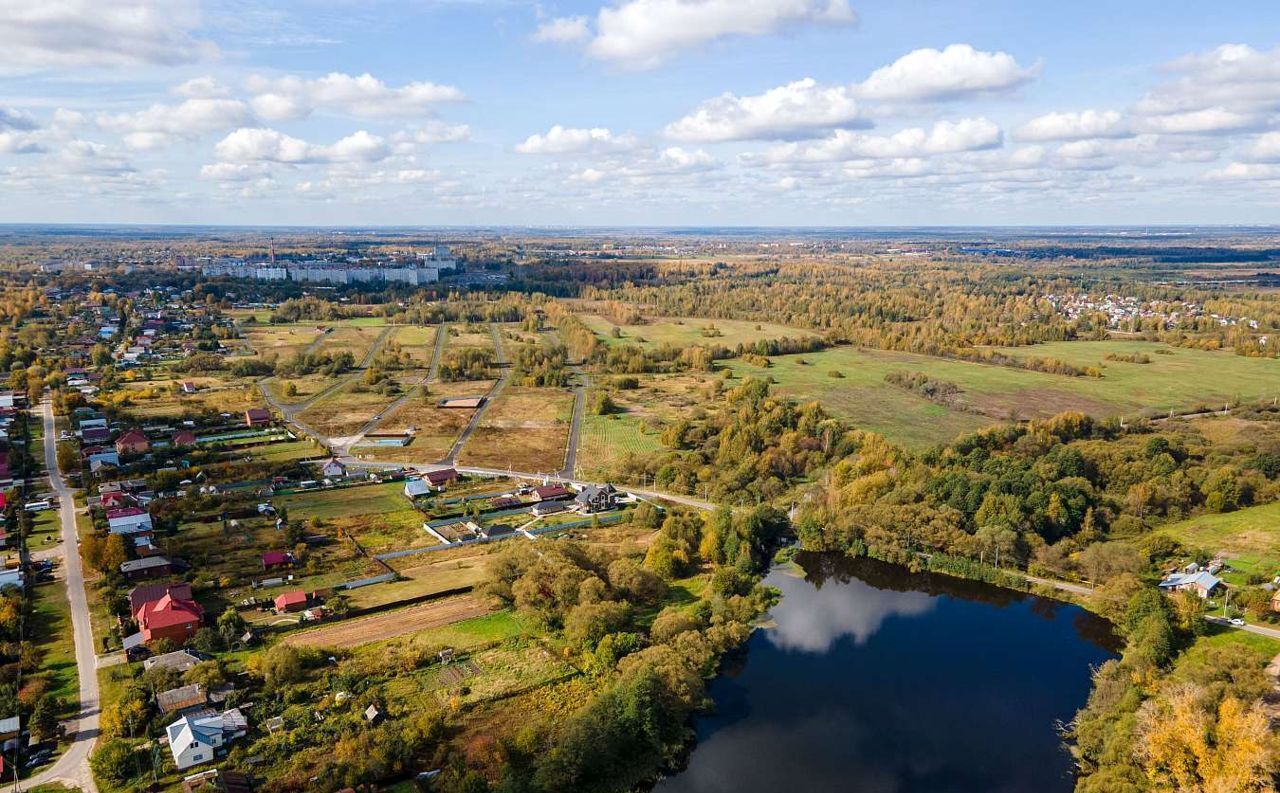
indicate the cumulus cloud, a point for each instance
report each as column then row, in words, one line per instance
column 1265, row 148
column 1235, row 76
column 19, row 143
column 206, row 87
column 1245, row 172
column 262, row 145
column 970, row 134
column 643, row 34
column 928, row 75
column 292, row 97
column 568, row 140
column 796, row 110
column 1209, row 121
column 39, row 34
column 671, row 163
column 16, row 120
column 161, row 125
column 562, row 30
column 435, row 132
column 1075, row 126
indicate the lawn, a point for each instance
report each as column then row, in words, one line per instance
column 691, row 331
column 1248, row 538
column 51, row 631
column 1182, row 379
column 525, row 429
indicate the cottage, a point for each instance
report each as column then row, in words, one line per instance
column 132, row 441
column 293, row 600
column 257, row 417
column 544, row 508
column 416, row 488
column 597, row 498
column 183, row 439
column 504, row 502
column 165, row 611
column 128, row 520
column 178, row 660
column 441, row 478
column 1202, row 582
column 551, row 492
column 199, row 738
column 333, row 468
column 95, row 435
column 182, row 698
column 147, row 567
column 101, row 455
column 274, row 559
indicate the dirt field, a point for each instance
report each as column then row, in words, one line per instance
column 526, row 429
column 435, row 429
column 351, row 633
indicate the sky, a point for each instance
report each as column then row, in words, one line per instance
column 639, row 112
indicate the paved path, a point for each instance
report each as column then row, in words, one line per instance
column 72, row 768
column 575, row 424
column 1078, row 589
column 504, row 375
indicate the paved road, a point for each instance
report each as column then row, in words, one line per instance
column 575, row 424
column 1078, row 589
column 73, row 767
column 503, row 376
column 1261, row 630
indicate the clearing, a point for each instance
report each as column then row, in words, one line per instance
column 399, row 622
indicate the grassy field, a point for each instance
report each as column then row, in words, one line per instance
column 379, row 516
column 235, row 397
column 282, row 341
column 305, row 386
column 1248, row 538
column 470, row 336
column 608, row 439
column 419, row 342
column 1182, row 379
column 51, row 629
column 690, row 331
column 348, row 338
column 434, row 429
column 526, row 429
column 392, row 624
column 345, row 411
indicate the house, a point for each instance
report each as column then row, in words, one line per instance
column 198, row 738
column 182, row 698
column 273, row 559
column 166, row 611
column 257, row 417
column 333, row 468
column 293, row 600
column 1202, row 582
column 504, row 502
column 188, row 387
column 113, row 499
column 551, row 492
column 102, row 455
column 178, row 660
column 183, row 439
column 597, row 498
column 95, row 435
column 148, row 567
column 441, row 478
column 544, row 508
column 128, row 520
column 416, row 488
column 132, row 441
column 373, row 715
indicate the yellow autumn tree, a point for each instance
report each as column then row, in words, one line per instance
column 1186, row 744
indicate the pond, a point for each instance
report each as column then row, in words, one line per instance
column 873, row 679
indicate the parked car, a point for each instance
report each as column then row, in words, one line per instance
column 1239, row 623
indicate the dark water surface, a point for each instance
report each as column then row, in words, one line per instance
column 877, row 680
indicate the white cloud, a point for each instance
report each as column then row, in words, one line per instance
column 799, row 109
column 1212, row 120
column 567, row 140
column 436, row 132
column 926, row 75
column 19, row 143
column 1265, row 148
column 162, row 125
column 36, row 34
column 671, row 163
column 1245, row 172
column 642, row 34
column 562, row 30
column 970, row 134
column 1075, row 126
column 206, row 87
column 250, row 145
column 16, row 119
column 233, row 171
column 292, row 97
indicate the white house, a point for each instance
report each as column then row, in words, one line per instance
column 128, row 520
column 198, row 738
column 333, row 468
column 416, row 488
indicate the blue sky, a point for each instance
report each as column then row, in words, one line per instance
column 664, row 112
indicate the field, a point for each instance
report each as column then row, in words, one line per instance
column 526, row 429
column 281, row 341
column 419, row 342
column 305, row 386
column 389, row 625
column 643, row 412
column 470, row 336
column 608, row 439
column 1182, row 379
column 691, row 331
column 379, row 516
column 443, row 571
column 1248, row 538
column 344, row 411
column 435, row 429
column 51, row 615
column 234, row 398
column 353, row 339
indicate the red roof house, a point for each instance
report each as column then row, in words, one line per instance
column 183, row 438
column 551, row 492
column 272, row 559
column 166, row 611
column 293, row 600
column 132, row 441
column 255, row 417
column 441, row 477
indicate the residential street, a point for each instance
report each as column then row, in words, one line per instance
column 73, row 767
